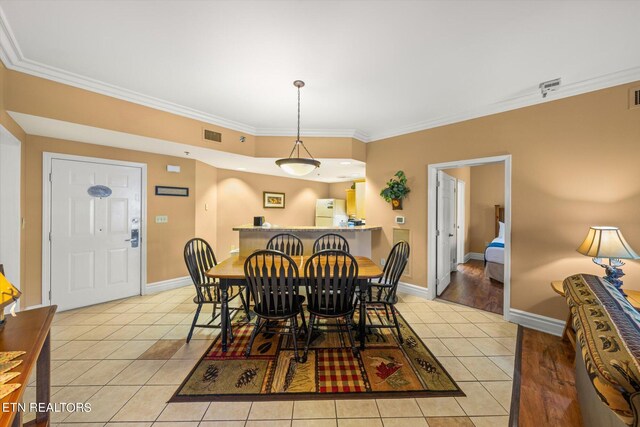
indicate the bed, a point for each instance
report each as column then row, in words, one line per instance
column 494, row 253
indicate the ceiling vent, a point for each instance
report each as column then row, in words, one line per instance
column 211, row 135
column 634, row 97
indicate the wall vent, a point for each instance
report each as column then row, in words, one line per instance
column 634, row 98
column 211, row 135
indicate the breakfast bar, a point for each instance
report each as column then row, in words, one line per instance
column 253, row 238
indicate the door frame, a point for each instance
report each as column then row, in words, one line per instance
column 432, row 179
column 11, row 216
column 460, row 220
column 47, row 159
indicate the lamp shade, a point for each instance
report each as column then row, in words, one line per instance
column 298, row 166
column 8, row 292
column 606, row 242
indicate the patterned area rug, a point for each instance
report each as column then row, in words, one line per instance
column 384, row 369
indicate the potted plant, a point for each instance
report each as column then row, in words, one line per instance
column 396, row 190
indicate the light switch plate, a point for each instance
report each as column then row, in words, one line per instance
column 162, row 219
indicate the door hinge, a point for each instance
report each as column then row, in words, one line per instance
column 437, row 282
column 49, row 236
column 437, row 232
column 438, row 183
column 49, row 295
column 50, row 177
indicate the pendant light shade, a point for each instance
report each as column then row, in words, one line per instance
column 294, row 164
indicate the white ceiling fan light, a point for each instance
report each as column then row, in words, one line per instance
column 298, row 166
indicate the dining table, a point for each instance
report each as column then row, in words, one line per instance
column 230, row 272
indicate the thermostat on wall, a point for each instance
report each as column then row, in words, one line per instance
column 399, row 220
column 173, row 168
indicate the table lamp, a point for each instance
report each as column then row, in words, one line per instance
column 608, row 242
column 8, row 294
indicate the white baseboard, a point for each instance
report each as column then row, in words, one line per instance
column 466, row 258
column 474, row 255
column 535, row 321
column 166, row 285
column 415, row 290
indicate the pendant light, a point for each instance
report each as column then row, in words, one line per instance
column 298, row 166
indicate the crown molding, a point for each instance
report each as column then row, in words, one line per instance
column 11, row 55
column 332, row 133
column 527, row 100
column 13, row 58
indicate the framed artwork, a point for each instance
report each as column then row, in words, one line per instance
column 163, row 190
column 272, row 200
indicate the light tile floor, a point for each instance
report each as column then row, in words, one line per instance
column 104, row 355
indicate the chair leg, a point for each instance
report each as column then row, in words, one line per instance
column 245, row 305
column 395, row 321
column 294, row 336
column 312, row 320
column 193, row 324
column 354, row 349
column 304, row 322
column 386, row 310
column 256, row 328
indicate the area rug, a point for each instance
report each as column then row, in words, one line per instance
column 384, row 369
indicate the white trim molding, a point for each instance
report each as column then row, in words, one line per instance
column 165, row 285
column 536, row 321
column 414, row 290
column 474, row 255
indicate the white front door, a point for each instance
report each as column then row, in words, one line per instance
column 446, row 240
column 95, row 236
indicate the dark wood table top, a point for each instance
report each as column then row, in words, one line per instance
column 25, row 332
column 233, row 268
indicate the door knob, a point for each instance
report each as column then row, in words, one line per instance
column 135, row 237
column 450, row 235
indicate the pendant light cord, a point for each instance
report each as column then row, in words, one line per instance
column 298, row 141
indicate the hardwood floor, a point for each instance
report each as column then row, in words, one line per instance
column 469, row 287
column 547, row 392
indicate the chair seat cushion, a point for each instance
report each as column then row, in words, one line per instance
column 276, row 308
column 211, row 294
column 329, row 310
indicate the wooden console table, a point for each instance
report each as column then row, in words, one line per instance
column 30, row 332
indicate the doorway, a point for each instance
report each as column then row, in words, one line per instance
column 462, row 234
column 93, row 230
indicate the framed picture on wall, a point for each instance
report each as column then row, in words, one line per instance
column 273, row 200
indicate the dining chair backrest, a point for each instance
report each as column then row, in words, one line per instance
column 273, row 280
column 331, row 278
column 199, row 258
column 394, row 267
column 330, row 241
column 287, row 243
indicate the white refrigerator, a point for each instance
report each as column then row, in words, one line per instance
column 331, row 212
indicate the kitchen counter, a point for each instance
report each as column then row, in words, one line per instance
column 254, row 238
column 294, row 228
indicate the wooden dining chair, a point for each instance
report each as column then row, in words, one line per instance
column 286, row 243
column 331, row 278
column 330, row 241
column 383, row 293
column 199, row 258
column 273, row 281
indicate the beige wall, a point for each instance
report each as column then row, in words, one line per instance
column 574, row 165
column 486, row 192
column 338, row 190
column 464, row 174
column 206, row 202
column 165, row 241
column 240, row 199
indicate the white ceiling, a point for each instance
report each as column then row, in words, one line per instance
column 331, row 170
column 372, row 68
